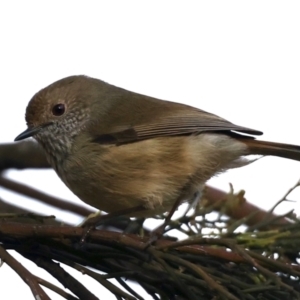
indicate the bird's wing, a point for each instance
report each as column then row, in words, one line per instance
column 165, row 119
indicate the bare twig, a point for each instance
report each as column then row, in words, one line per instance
column 47, row 199
column 27, row 277
column 62, row 276
column 55, row 289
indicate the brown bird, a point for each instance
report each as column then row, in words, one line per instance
column 118, row 150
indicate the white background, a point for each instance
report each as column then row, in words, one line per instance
column 237, row 59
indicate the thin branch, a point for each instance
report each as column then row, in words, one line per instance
column 103, row 281
column 284, row 198
column 47, row 199
column 55, row 289
column 22, row 155
column 27, row 277
column 215, row 196
column 62, row 276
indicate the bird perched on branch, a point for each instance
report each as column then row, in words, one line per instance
column 119, row 150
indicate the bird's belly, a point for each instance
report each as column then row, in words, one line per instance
column 153, row 173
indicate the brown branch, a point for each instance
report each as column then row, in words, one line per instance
column 55, row 289
column 62, row 276
column 27, row 277
column 47, row 199
column 192, row 246
column 198, row 267
column 103, row 281
column 244, row 209
column 22, row 155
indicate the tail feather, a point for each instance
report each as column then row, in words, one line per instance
column 274, row 149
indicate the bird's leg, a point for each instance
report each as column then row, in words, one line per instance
column 159, row 231
column 95, row 219
column 194, row 201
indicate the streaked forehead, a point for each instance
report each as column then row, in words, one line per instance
column 59, row 85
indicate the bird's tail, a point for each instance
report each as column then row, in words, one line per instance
column 274, row 149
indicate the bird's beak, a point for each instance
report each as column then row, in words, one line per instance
column 31, row 131
column 28, row 133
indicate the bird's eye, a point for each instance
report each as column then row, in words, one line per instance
column 58, row 109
